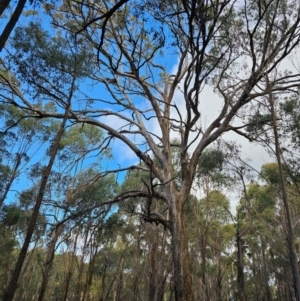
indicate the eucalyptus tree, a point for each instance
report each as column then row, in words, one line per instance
column 228, row 46
column 267, row 274
column 21, row 139
column 148, row 231
column 55, row 71
column 277, row 112
column 210, row 239
column 74, row 195
column 207, row 223
column 288, row 226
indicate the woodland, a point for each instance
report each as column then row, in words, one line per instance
column 120, row 179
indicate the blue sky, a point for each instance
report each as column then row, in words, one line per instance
column 122, row 155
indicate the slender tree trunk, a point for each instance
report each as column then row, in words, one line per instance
column 11, row 289
column 219, row 279
column 163, row 266
column 89, row 276
column 136, row 278
column 240, row 248
column 219, row 286
column 157, row 275
column 103, row 280
column 182, row 273
column 50, row 255
column 118, row 271
column 12, row 178
column 255, row 276
column 204, row 239
column 70, row 270
column 120, row 285
column 203, row 265
column 265, row 276
column 288, row 220
column 153, row 273
column 81, row 266
column 240, row 268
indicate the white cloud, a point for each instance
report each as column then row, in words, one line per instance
column 210, row 106
column 121, row 152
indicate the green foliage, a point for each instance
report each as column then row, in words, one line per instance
column 258, row 122
column 212, row 168
column 211, row 161
column 11, row 215
column 262, row 197
column 270, row 173
column 79, row 139
column 291, row 111
column 48, row 63
column 215, row 206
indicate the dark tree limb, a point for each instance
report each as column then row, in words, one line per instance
column 104, row 17
column 12, row 22
column 3, row 5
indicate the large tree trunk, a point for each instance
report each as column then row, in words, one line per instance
column 182, row 272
